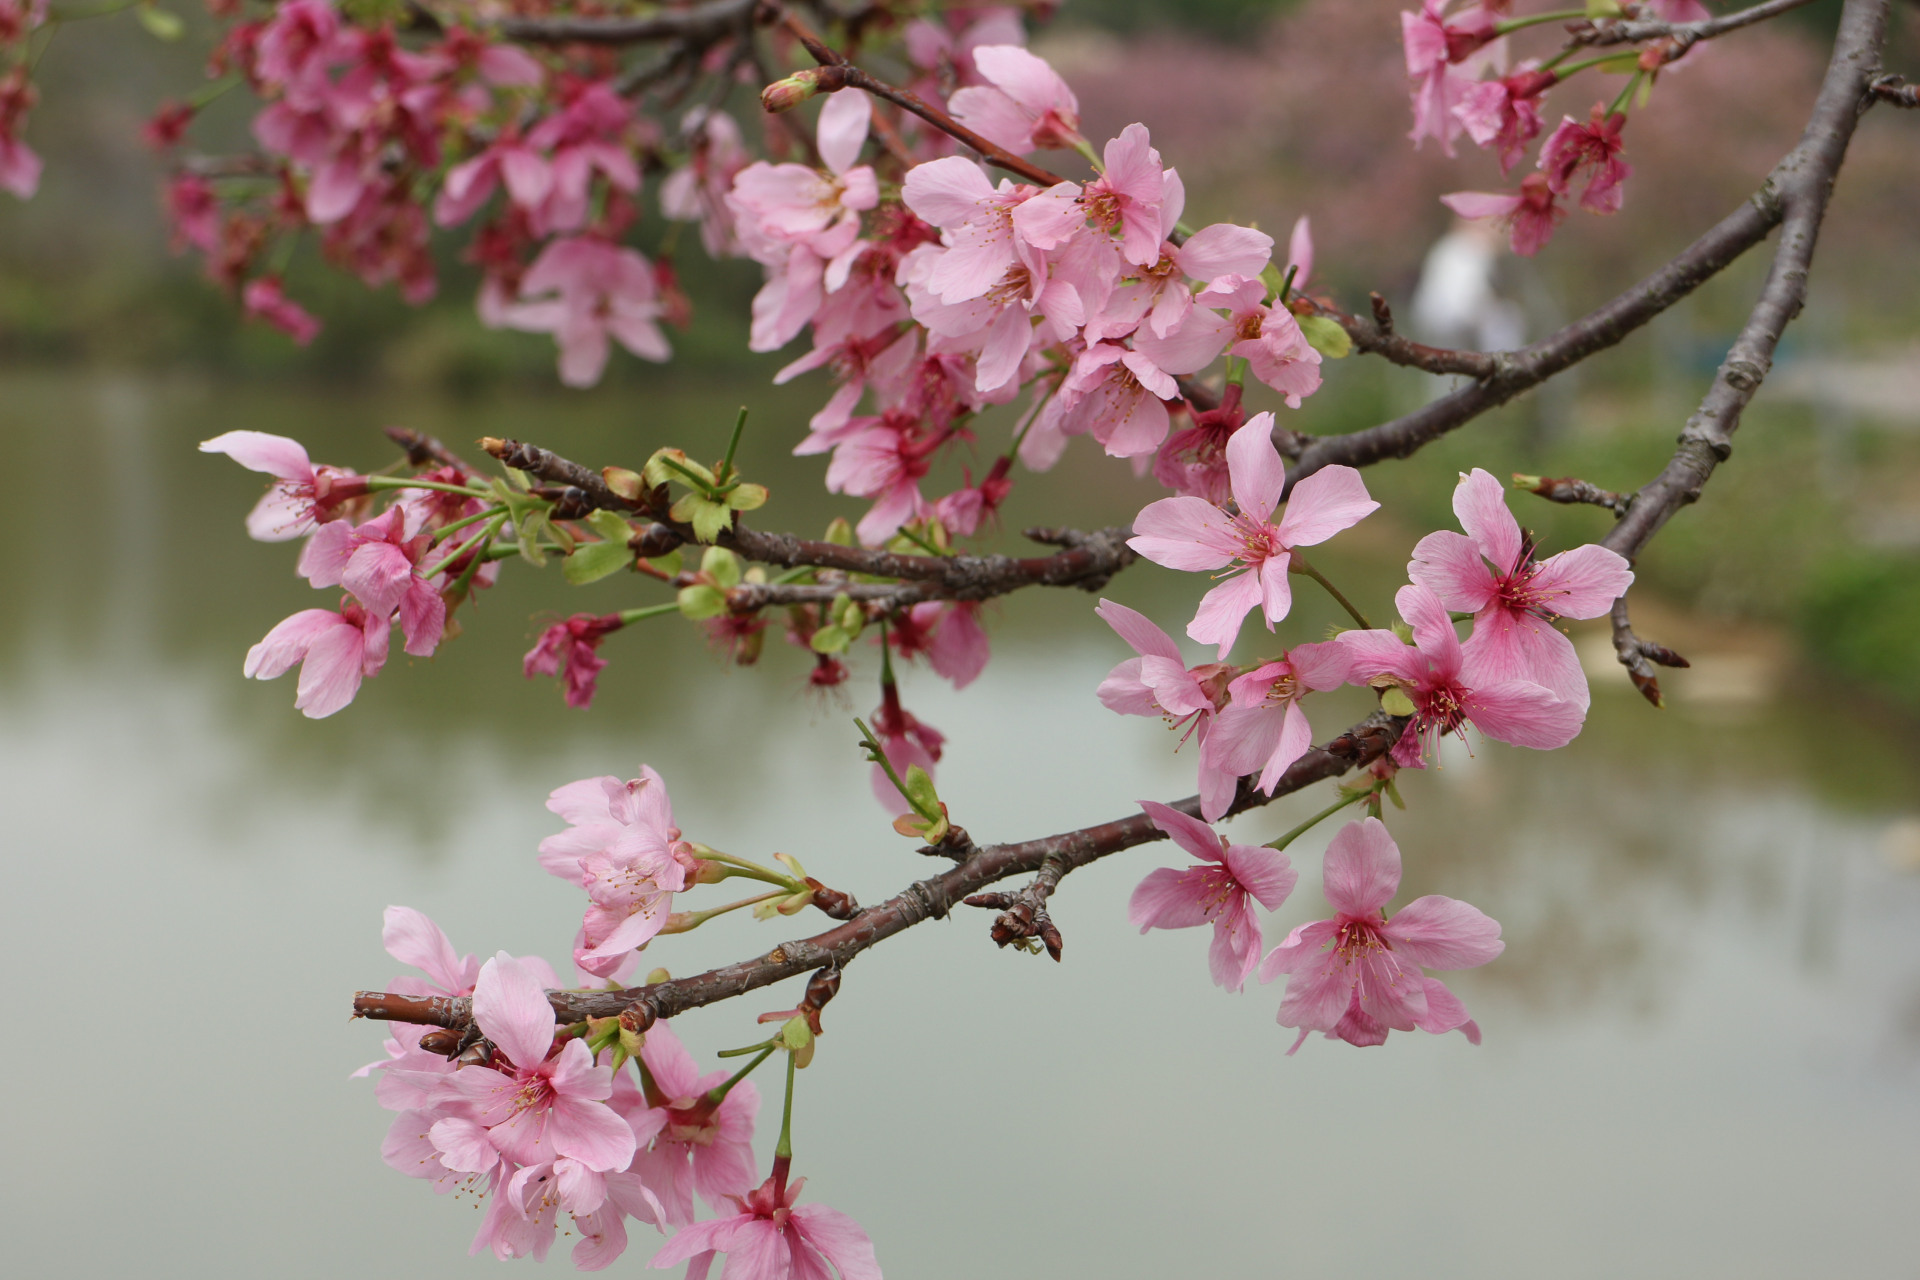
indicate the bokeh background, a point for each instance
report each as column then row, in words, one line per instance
column 1702, row 1044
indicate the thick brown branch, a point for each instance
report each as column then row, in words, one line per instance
column 1376, row 337
column 926, row 899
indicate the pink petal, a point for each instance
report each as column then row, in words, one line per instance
column 1508, row 646
column 463, row 1145
column 288, row 642
column 1296, row 737
column 1265, row 873
column 1137, row 630
column 946, row 192
column 844, row 119
column 994, row 116
column 1169, row 898
column 1445, row 1013
column 1390, row 991
column 591, row 1133
column 1583, row 582
column 671, row 1066
column 1235, row 952
column 1184, row 533
column 331, row 674
column 378, row 573
column 1316, row 996
column 1377, row 653
column 1243, row 738
column 411, row 938
column 1322, row 664
column 1025, row 78
column 1525, row 714
column 1331, row 499
column 1443, row 933
column 1362, row 868
column 1225, row 249
column 1191, row 834
column 1124, row 692
column 1449, row 564
column 258, row 451
column 1300, row 947
column 513, row 1011
column 1432, row 629
column 840, row 1238
column 1299, row 253
column 1174, row 687
column 1276, row 592
column 1483, row 204
column 1254, row 467
column 1223, row 609
column 1481, row 505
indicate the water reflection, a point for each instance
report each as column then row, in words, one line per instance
column 1701, row 1043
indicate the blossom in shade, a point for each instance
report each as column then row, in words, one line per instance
column 1594, row 149
column 570, row 649
column 907, row 742
column 622, row 848
column 586, row 292
column 1529, row 214
column 19, row 163
column 1504, row 113
column 1264, row 729
column 334, row 651
column 769, row 1237
column 1024, row 106
column 1216, row 892
column 528, row 1107
column 379, row 562
column 1515, row 601
column 688, row 1142
column 263, row 299
column 1197, row 536
column 1359, row 975
column 1448, row 694
column 302, row 496
column 1159, row 683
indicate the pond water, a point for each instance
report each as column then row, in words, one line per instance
column 1702, row 1045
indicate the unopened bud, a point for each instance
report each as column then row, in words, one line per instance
column 657, row 976
column 785, row 95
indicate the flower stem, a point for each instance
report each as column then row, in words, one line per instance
column 1316, row 820
column 440, row 534
column 879, row 756
column 1537, row 19
column 690, row 920
column 486, row 535
column 784, row 1150
column 1619, row 106
column 726, row 463
column 408, row 482
column 1300, row 565
column 650, row 611
column 719, row 1092
column 886, row 660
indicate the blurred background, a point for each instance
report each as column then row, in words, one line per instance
column 1702, row 1044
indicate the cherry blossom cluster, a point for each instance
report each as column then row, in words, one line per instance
column 1462, row 83
column 539, row 1121
column 19, row 163
column 1515, row 678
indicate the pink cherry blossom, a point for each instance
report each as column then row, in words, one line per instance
column 263, row 300
column 688, row 1142
column 1299, row 254
column 573, row 647
column 334, row 650
column 411, row 938
column 1515, row 602
column 1446, row 696
column 1594, row 149
column 526, row 174
column 1529, row 214
column 1217, row 892
column 622, row 848
column 379, row 562
column 1265, row 728
column 1358, row 975
column 1505, row 113
column 772, row 1238
column 19, row 164
column 1127, row 196
column 1159, row 683
column 1196, row 536
column 529, row 1107
column 1267, row 338
column 1025, row 106
column 1434, row 42
column 906, row 742
column 600, row 291
column 697, row 191
column 302, row 496
column 949, row 633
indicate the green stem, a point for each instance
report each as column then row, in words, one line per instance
column 1575, row 69
column 784, row 1149
column 650, row 611
column 484, row 536
column 726, row 463
column 1286, row 285
column 694, row 919
column 1236, row 371
column 440, row 534
column 921, row 542
column 1317, row 819
column 886, row 659
column 1619, row 106
column 1300, row 565
column 1537, row 19
column 694, row 478
column 875, row 750
column 719, row 1092
column 407, row 482
column 773, row 1043
column 215, row 90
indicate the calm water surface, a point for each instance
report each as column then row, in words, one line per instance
column 1702, row 1045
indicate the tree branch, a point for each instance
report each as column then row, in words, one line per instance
column 1376, row 337
column 709, row 22
column 925, row 899
column 1612, row 31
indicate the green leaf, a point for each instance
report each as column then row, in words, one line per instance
column 840, row 533
column 721, row 565
column 630, row 485
column 161, row 24
column 669, row 563
column 1622, row 65
column 701, row 601
column 1270, row 276
column 593, row 561
column 920, row 793
column 829, row 640
column 1604, row 9
column 1326, row 337
column 610, row 525
column 1395, row 702
column 527, row 530
column 707, row 517
column 748, row 497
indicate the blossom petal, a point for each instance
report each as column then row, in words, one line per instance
column 1322, row 664
column 411, row 938
column 1377, row 653
column 1265, row 873
column 946, row 192
column 1508, row 646
column 591, row 1133
column 1299, row 948
column 1449, row 564
column 844, row 118
column 1223, row 609
column 1184, row 533
column 1433, row 631
column 1295, row 739
column 1435, row 932
column 1583, row 582
column 1481, row 505
column 1191, row 834
column 1169, row 898
column 1138, row 630
column 1329, row 500
column 840, row 1238
column 1362, row 868
column 1525, row 714
column 513, row 1011
column 1254, row 467
column 1445, row 1013
column 259, row 451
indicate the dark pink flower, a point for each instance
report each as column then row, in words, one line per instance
column 380, row 563
column 688, row 1142
column 772, row 1238
column 1159, row 683
column 263, row 300
column 1216, row 892
column 572, row 646
column 1515, row 602
column 1505, row 113
column 1358, row 975
column 1446, row 697
column 1434, row 43
column 585, row 291
column 1529, row 214
column 1594, row 149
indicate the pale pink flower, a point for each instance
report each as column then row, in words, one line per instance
column 302, row 496
column 411, row 938
column 1162, row 296
column 263, row 300
column 1265, row 729
column 528, row 1107
column 1217, row 892
column 1299, row 254
column 906, row 742
column 1446, row 696
column 573, row 647
column 1025, row 106
column 379, row 562
column 688, row 1142
column 1434, row 42
column 1119, row 397
column 1127, row 196
column 1514, row 603
column 955, row 644
column 1505, row 113
column 334, row 650
column 986, row 234
column 1196, row 536
column 772, row 1238
column 621, row 848
column 1267, row 338
column 600, row 291
column 1592, row 148
column 1159, row 683
column 1358, row 975
column 697, row 191
column 1529, row 214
